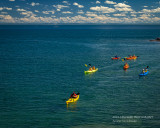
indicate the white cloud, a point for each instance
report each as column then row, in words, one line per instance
column 124, row 9
column 103, row 9
column 48, row 12
column 4, row 12
column 80, row 12
column 66, row 2
column 1, row 8
column 67, row 12
column 45, row 12
column 119, row 14
column 34, row 4
column 28, row 13
column 5, row 8
column 98, row 2
column 21, row 10
column 145, row 6
column 92, row 15
column 36, row 10
column 11, row 0
column 59, row 7
column 110, row 2
column 157, row 10
column 122, row 5
column 79, row 6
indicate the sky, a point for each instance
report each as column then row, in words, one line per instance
column 79, row 12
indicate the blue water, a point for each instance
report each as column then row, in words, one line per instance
column 41, row 66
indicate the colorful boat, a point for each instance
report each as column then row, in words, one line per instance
column 125, row 66
column 114, row 58
column 144, row 74
column 131, row 58
column 91, row 71
column 72, row 100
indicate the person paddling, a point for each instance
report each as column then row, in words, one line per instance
column 93, row 68
column 73, row 95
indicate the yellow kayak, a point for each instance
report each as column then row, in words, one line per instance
column 91, row 71
column 72, row 100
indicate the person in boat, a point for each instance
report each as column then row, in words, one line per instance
column 73, row 95
column 90, row 68
column 130, row 56
column 93, row 68
column 146, row 69
column 134, row 55
column 126, row 64
column 143, row 71
column 116, row 56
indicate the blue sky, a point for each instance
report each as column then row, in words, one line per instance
column 79, row 11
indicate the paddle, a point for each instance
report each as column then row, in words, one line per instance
column 86, row 65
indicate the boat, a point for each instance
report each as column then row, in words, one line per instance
column 131, row 58
column 91, row 71
column 114, row 58
column 125, row 67
column 144, row 74
column 72, row 100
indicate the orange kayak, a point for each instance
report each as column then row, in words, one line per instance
column 126, row 66
column 132, row 58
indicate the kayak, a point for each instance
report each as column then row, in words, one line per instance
column 113, row 58
column 72, row 100
column 144, row 74
column 125, row 66
column 91, row 71
column 131, row 58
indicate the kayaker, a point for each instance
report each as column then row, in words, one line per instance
column 93, row 68
column 134, row 55
column 143, row 71
column 90, row 68
column 126, row 64
column 146, row 69
column 73, row 95
column 116, row 56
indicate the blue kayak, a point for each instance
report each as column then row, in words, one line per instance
column 144, row 74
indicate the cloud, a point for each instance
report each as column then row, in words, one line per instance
column 36, row 10
column 79, row 6
column 34, row 4
column 91, row 15
column 7, row 19
column 157, row 10
column 124, row 9
column 48, row 12
column 59, row 7
column 110, row 2
column 11, row 0
column 20, row 10
column 80, row 12
column 67, row 12
column 98, row 2
column 119, row 14
column 103, row 9
column 145, row 6
column 66, row 2
column 5, row 8
column 122, row 5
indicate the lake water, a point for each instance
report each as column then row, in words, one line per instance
column 40, row 66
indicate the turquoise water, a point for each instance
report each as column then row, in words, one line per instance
column 40, row 68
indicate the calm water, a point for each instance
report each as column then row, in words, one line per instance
column 40, row 68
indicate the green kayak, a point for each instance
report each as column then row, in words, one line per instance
column 91, row 71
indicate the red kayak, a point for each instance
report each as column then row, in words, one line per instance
column 114, row 58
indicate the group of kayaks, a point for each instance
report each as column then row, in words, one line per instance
column 92, row 70
column 126, row 65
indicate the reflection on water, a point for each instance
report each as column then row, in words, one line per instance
column 72, row 107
